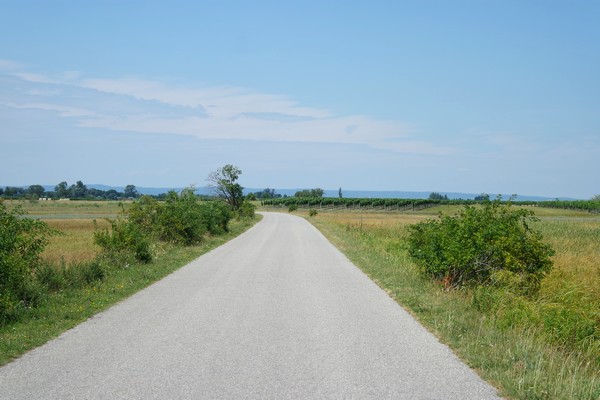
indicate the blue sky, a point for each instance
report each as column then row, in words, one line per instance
column 448, row 96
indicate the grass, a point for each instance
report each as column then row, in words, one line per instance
column 544, row 347
column 64, row 309
column 62, row 209
column 75, row 244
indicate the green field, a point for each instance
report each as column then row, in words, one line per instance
column 544, row 346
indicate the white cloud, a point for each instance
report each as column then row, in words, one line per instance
column 63, row 111
column 8, row 65
column 208, row 113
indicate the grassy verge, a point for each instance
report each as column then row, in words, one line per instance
column 517, row 355
column 65, row 309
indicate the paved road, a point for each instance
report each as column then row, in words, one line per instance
column 277, row 313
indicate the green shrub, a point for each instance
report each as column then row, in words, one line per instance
column 181, row 219
column 215, row 216
column 292, row 208
column 125, row 239
column 492, row 244
column 246, row 210
column 21, row 242
column 312, row 212
column 145, row 214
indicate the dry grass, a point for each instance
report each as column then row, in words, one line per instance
column 76, row 244
column 69, row 209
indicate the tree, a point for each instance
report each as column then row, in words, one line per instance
column 317, row 192
column 11, row 191
column 36, row 190
column 61, row 190
column 131, row 191
column 223, row 182
column 78, row 191
column 437, row 196
column 596, row 197
column 482, row 197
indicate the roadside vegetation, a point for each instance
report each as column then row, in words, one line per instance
column 56, row 272
column 528, row 322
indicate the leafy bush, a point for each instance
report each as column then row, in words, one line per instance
column 312, row 212
column 216, row 216
column 492, row 244
column 124, row 240
column 145, row 214
column 292, row 208
column 21, row 242
column 246, row 210
column 181, row 219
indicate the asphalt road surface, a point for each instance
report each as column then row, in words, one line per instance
column 277, row 313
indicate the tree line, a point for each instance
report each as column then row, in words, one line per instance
column 77, row 191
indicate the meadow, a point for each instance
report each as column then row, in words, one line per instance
column 532, row 347
column 76, row 221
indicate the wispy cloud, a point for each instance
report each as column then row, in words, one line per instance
column 219, row 112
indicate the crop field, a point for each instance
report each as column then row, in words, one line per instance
column 75, row 220
column 543, row 346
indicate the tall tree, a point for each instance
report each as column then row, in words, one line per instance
column 36, row 190
column 131, row 191
column 223, row 182
column 61, row 190
column 78, row 191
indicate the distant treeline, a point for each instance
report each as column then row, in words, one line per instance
column 77, row 191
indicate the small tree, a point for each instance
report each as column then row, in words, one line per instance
column 223, row 182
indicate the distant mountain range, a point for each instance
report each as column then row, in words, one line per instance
column 328, row 193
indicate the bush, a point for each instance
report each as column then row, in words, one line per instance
column 181, row 219
column 215, row 216
column 21, row 242
column 246, row 210
column 312, row 212
column 292, row 208
column 492, row 244
column 145, row 214
column 123, row 241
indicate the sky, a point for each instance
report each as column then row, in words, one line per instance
column 448, row 96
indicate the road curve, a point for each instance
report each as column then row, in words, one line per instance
column 277, row 313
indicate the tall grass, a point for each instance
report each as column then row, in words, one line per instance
column 76, row 243
column 534, row 348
